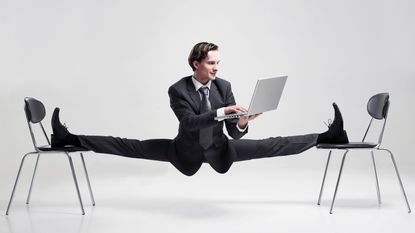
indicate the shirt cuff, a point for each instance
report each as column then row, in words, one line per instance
column 241, row 130
column 220, row 113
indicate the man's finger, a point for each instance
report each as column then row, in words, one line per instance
column 242, row 109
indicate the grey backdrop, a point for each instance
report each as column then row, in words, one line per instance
column 103, row 61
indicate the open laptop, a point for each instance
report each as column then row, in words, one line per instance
column 266, row 97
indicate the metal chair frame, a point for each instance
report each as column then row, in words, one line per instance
column 372, row 150
column 38, row 151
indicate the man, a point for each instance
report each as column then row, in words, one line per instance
column 196, row 100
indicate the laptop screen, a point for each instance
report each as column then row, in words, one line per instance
column 267, row 94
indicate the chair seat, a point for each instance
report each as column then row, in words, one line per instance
column 350, row 145
column 64, row 149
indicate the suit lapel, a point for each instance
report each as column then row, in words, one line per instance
column 194, row 95
column 215, row 98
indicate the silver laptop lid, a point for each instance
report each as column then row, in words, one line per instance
column 267, row 94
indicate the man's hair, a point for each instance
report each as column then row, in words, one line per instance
column 200, row 52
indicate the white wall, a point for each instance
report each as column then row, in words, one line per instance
column 108, row 65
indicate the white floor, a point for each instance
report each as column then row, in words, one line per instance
column 244, row 200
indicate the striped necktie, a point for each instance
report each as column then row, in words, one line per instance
column 205, row 135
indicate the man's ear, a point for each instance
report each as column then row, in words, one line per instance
column 196, row 64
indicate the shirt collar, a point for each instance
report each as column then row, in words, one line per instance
column 198, row 85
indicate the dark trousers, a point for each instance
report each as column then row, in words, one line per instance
column 157, row 149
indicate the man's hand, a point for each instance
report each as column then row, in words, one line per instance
column 243, row 121
column 234, row 109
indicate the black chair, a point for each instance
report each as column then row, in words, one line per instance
column 35, row 113
column 377, row 107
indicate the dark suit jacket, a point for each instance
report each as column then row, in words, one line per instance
column 186, row 154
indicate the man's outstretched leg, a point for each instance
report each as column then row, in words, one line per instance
column 154, row 149
column 279, row 146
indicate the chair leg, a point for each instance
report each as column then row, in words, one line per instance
column 324, row 179
column 338, row 181
column 33, row 179
column 377, row 180
column 17, row 180
column 399, row 178
column 87, row 180
column 76, row 183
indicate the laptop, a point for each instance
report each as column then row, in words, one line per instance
column 266, row 97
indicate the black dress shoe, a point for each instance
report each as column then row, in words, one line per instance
column 61, row 136
column 335, row 134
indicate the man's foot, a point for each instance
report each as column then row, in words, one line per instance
column 61, row 136
column 335, row 134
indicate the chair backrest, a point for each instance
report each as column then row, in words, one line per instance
column 35, row 113
column 378, row 107
column 34, row 109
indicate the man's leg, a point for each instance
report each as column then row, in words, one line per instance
column 154, row 149
column 247, row 149
column 279, row 146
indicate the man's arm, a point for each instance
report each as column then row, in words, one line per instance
column 231, row 124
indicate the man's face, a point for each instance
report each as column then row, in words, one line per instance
column 207, row 68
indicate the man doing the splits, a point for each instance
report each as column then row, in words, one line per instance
column 196, row 100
